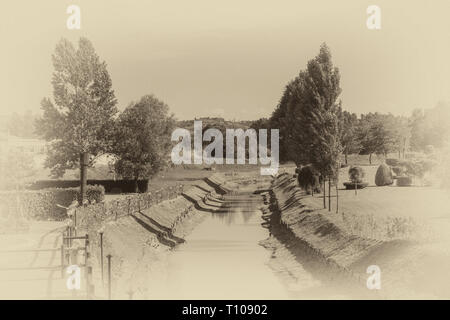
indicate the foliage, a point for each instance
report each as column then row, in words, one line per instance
column 42, row 204
column 349, row 139
column 393, row 162
column 81, row 117
column 404, row 181
column 16, row 169
column 398, row 170
column 22, row 125
column 356, row 174
column 376, row 134
column 308, row 116
column 383, row 177
column 142, row 138
column 430, row 127
column 309, row 179
column 417, row 168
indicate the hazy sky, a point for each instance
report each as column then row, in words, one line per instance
column 233, row 58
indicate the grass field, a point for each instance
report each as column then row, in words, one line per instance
column 387, row 211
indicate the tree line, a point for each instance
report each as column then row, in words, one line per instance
column 310, row 116
column 315, row 131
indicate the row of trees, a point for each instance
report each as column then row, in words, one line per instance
column 376, row 133
column 314, row 130
column 83, row 122
column 309, row 114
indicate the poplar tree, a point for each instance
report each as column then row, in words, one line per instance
column 310, row 111
column 80, row 118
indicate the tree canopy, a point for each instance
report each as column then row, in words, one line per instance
column 80, row 118
column 142, row 138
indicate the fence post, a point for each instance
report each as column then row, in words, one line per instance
column 86, row 253
column 89, row 286
column 101, row 254
column 109, row 276
column 86, row 268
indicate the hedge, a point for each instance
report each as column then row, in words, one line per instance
column 111, row 186
column 42, row 204
column 383, row 177
column 404, row 181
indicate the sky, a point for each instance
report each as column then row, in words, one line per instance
column 233, row 58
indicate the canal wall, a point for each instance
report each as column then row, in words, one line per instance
column 326, row 247
column 139, row 240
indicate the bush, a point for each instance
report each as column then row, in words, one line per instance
column 356, row 174
column 417, row 168
column 398, row 170
column 42, row 204
column 383, row 177
column 404, row 181
column 111, row 186
column 392, row 162
column 309, row 179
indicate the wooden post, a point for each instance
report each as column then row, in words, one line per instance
column 101, row 254
column 86, row 253
column 109, row 276
column 75, row 221
column 324, row 194
column 329, row 193
column 337, row 198
column 89, row 287
column 86, row 268
column 83, row 175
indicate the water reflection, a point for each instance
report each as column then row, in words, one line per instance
column 222, row 259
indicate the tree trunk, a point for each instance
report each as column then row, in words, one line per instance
column 337, row 198
column 329, row 193
column 346, row 158
column 337, row 185
column 324, row 194
column 136, row 186
column 83, row 175
column 370, row 158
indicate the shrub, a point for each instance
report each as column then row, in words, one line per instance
column 404, row 181
column 111, row 186
column 309, row 179
column 42, row 204
column 356, row 174
column 417, row 168
column 383, row 177
column 398, row 170
column 392, row 162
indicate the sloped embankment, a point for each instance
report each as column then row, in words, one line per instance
column 326, row 246
column 139, row 242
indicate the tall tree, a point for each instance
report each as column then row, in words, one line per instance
column 349, row 138
column 309, row 111
column 376, row 134
column 142, row 138
column 80, row 119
